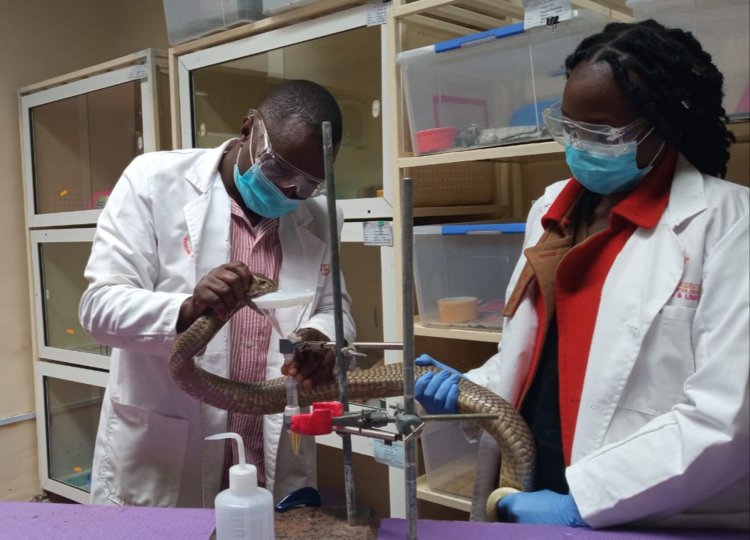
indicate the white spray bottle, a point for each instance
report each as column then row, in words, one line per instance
column 243, row 511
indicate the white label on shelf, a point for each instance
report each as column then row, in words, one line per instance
column 138, row 72
column 377, row 233
column 376, row 10
column 388, row 453
column 545, row 12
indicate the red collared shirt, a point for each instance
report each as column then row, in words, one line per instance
column 250, row 332
column 580, row 277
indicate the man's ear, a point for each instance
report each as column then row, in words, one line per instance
column 247, row 124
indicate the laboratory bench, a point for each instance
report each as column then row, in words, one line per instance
column 59, row 521
column 44, row 521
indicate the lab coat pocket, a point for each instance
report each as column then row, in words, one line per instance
column 665, row 362
column 144, row 456
column 678, row 313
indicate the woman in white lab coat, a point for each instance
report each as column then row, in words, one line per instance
column 165, row 226
column 625, row 343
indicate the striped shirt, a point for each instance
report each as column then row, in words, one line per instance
column 250, row 332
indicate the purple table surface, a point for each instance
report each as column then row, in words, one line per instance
column 50, row 521
column 395, row 529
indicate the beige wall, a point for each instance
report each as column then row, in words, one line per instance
column 40, row 39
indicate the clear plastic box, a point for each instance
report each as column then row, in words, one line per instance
column 489, row 89
column 191, row 19
column 272, row 7
column 461, row 272
column 449, row 458
column 723, row 28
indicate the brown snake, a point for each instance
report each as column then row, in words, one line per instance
column 269, row 397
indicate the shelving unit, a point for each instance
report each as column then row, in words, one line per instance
column 456, row 333
column 444, row 499
column 516, row 164
column 78, row 132
column 410, row 25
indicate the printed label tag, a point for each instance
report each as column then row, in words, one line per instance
column 376, row 10
column 377, row 233
column 545, row 12
column 138, row 72
column 388, row 453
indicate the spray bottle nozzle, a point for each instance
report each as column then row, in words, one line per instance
column 243, row 477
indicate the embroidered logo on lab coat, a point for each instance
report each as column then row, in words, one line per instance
column 187, row 246
column 687, row 291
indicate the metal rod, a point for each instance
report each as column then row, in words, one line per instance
column 364, row 345
column 366, row 432
column 374, row 345
column 407, row 297
column 338, row 316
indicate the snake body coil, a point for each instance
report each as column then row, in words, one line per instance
column 269, row 397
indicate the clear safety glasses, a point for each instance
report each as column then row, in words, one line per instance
column 282, row 173
column 570, row 132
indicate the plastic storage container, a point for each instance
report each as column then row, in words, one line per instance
column 489, row 89
column 461, row 272
column 272, row 7
column 191, row 19
column 723, row 28
column 449, row 459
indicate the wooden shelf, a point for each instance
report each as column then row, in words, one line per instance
column 515, row 152
column 424, row 493
column 525, row 151
column 488, row 336
column 471, row 210
column 463, row 17
column 741, row 130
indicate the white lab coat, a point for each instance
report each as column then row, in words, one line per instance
column 166, row 225
column 662, row 430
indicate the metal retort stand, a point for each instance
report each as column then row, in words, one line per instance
column 366, row 423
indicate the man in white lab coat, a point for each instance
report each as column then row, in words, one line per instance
column 180, row 234
column 626, row 343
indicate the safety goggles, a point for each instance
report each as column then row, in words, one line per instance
column 570, row 132
column 279, row 171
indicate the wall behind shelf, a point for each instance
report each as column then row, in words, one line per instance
column 42, row 39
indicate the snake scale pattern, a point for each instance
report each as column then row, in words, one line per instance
column 269, row 397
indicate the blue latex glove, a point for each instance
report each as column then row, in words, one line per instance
column 437, row 392
column 540, row 507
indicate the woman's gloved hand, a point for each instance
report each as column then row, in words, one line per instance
column 540, row 507
column 437, row 392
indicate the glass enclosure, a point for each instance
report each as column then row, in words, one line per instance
column 61, row 266
column 71, row 418
column 347, row 63
column 81, row 144
column 361, row 266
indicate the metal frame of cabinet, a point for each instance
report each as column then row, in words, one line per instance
column 349, row 19
column 38, row 238
column 307, row 23
column 146, row 67
column 42, row 371
column 143, row 66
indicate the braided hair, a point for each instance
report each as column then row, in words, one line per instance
column 671, row 81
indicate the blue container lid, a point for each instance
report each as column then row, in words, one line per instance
column 487, row 228
column 480, row 37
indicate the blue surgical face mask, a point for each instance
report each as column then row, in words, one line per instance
column 607, row 169
column 260, row 194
